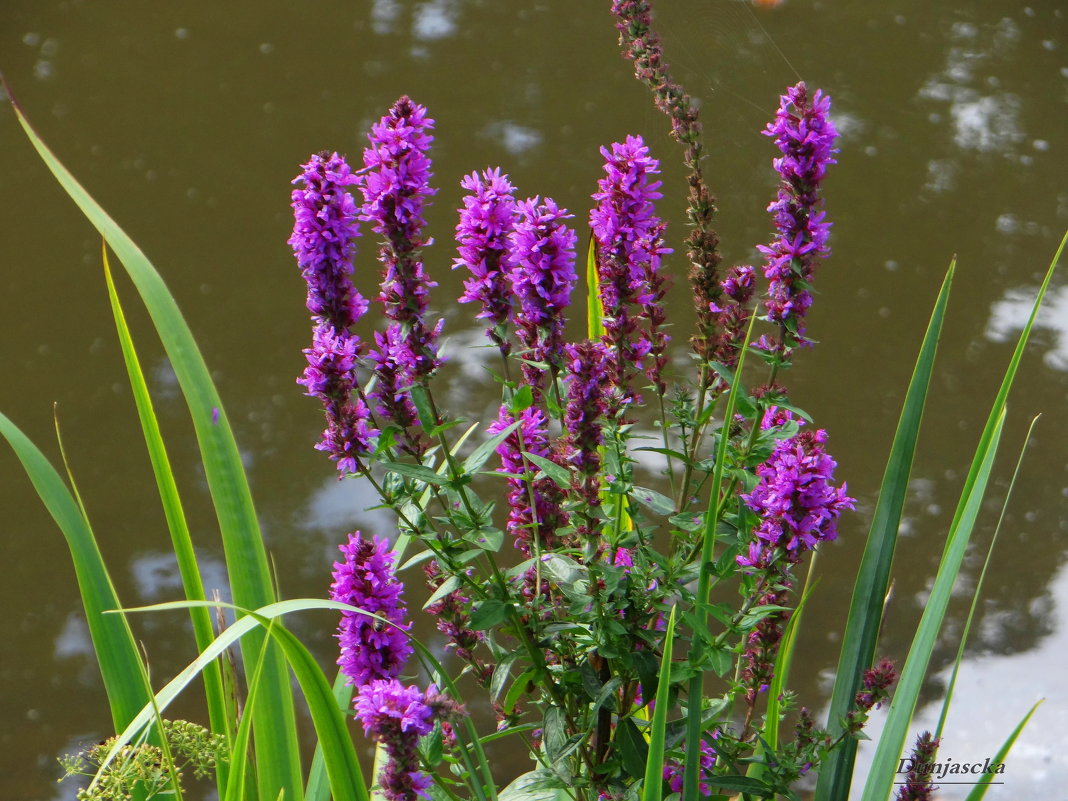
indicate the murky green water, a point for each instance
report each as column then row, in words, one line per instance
column 188, row 120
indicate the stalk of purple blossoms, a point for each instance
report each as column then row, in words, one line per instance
column 797, row 505
column 918, row 784
column 535, row 505
column 875, row 689
column 732, row 314
column 370, row 649
column 395, row 186
column 641, row 44
column 397, row 716
column 587, row 367
column 486, row 221
column 673, row 770
column 629, row 246
column 323, row 241
column 542, row 271
column 763, row 641
column 805, row 136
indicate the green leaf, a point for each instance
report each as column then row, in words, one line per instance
column 661, row 504
column 113, row 642
column 418, row 472
column 554, row 733
column 447, row 586
column 277, row 746
column 873, row 577
column 653, row 786
column 594, row 312
column 559, row 475
column 537, row 785
column 423, row 409
column 500, row 675
column 518, row 689
column 221, row 721
column 522, row 400
column 489, row 613
column 479, row 456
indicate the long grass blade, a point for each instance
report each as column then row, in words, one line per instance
column 979, row 587
column 277, row 747
column 181, row 540
column 904, row 703
column 979, row 791
column 873, row 577
column 594, row 312
column 113, row 642
column 653, row 786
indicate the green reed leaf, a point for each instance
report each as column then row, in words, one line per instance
column 277, row 746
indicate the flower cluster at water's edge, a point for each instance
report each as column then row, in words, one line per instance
column 805, row 136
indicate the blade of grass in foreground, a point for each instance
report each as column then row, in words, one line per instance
column 873, row 577
column 277, row 747
column 903, row 705
column 979, row 791
column 653, row 787
column 113, row 642
column 203, row 632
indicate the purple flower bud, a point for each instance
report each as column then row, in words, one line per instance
column 918, row 785
column 486, row 222
column 805, row 136
column 542, row 270
column 587, row 366
column 673, row 770
column 370, row 649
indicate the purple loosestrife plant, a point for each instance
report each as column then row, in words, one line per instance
column 918, row 784
column 542, row 271
column 323, row 241
column 805, row 136
column 486, row 222
column 629, row 239
column 370, row 649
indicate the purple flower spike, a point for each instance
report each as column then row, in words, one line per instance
column 396, row 186
column 324, row 239
column 805, row 136
column 630, row 243
column 525, row 523
column 587, row 366
column 797, row 504
column 486, row 222
column 542, row 271
column 370, row 649
column 397, row 716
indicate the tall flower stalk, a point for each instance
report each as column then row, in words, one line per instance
column 805, row 136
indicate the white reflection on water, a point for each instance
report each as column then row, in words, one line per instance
column 1009, row 315
column 993, row 694
column 340, row 506
column 435, row 20
column 515, row 138
column 984, row 119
